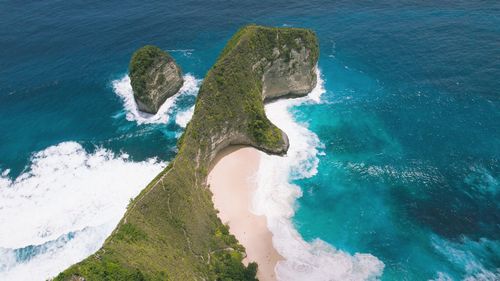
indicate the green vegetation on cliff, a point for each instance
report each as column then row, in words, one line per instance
column 154, row 77
column 171, row 230
column 142, row 60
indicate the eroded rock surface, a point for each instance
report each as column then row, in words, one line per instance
column 154, row 76
column 293, row 75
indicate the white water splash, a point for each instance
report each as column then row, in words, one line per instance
column 184, row 52
column 123, row 89
column 182, row 118
column 275, row 197
column 467, row 255
column 66, row 192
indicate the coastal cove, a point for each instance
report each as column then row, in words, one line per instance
column 233, row 184
column 392, row 163
column 171, row 230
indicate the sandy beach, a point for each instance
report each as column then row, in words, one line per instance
column 231, row 182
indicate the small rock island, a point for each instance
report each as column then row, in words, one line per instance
column 154, row 76
column 171, row 230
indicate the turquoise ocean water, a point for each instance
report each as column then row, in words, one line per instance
column 401, row 170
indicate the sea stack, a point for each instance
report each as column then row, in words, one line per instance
column 154, row 76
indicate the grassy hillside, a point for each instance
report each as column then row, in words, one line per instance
column 171, row 230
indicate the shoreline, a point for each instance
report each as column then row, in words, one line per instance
column 231, row 181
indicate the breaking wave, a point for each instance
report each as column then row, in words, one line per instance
column 182, row 118
column 275, row 198
column 123, row 89
column 64, row 206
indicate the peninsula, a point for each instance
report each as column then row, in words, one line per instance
column 171, row 230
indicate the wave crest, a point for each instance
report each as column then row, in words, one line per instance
column 182, row 118
column 63, row 208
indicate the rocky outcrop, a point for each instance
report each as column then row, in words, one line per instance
column 154, row 76
column 291, row 75
column 264, row 64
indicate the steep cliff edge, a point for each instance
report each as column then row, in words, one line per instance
column 154, row 76
column 171, row 230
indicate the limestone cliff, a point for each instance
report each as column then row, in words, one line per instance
column 154, row 76
column 291, row 74
column 171, row 230
column 258, row 63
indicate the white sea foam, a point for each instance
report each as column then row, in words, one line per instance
column 423, row 173
column 467, row 255
column 54, row 256
column 441, row 276
column 182, row 118
column 123, row 89
column 275, row 197
column 66, row 191
column 184, row 52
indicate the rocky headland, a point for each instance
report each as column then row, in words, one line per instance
column 171, row 230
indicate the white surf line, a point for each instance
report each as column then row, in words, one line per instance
column 124, row 90
column 275, row 198
column 66, row 190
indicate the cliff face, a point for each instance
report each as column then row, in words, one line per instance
column 258, row 63
column 154, row 76
column 171, row 230
column 291, row 74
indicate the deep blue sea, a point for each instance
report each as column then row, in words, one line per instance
column 405, row 175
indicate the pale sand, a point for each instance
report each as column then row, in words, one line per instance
column 232, row 186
